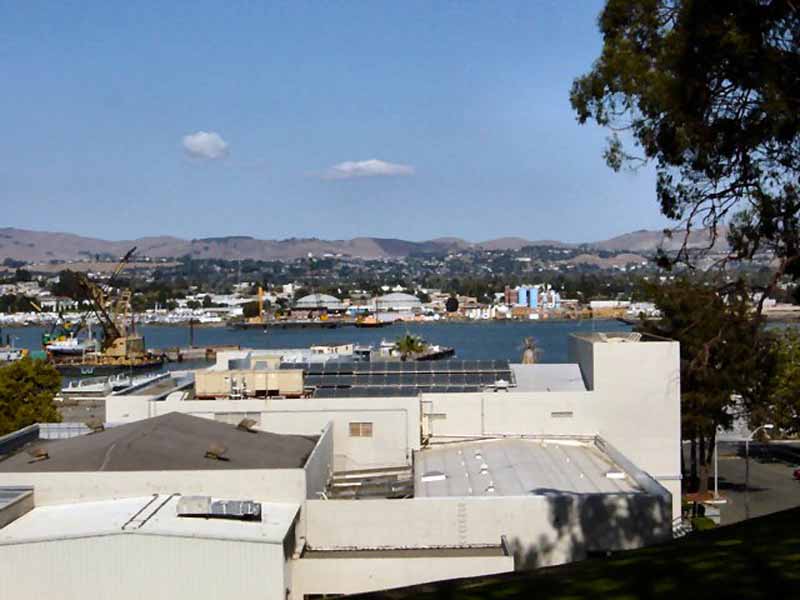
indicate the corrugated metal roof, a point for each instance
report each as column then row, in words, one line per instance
column 153, row 515
column 516, row 467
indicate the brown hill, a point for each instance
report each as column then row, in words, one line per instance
column 41, row 246
column 648, row 241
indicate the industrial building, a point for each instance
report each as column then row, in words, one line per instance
column 396, row 306
column 360, row 492
column 318, row 302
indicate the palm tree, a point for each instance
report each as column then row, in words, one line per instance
column 529, row 355
column 408, row 345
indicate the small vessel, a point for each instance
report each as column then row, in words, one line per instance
column 423, row 351
column 70, row 346
column 371, row 322
column 10, row 354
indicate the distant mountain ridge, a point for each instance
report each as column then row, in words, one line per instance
column 41, row 246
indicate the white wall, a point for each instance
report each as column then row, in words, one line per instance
column 395, row 422
column 638, row 408
column 464, row 415
column 343, row 575
column 137, row 567
column 279, row 485
column 540, row 530
column 319, row 465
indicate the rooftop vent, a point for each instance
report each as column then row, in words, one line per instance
column 247, row 425
column 217, row 452
column 38, row 454
column 206, row 508
column 95, row 424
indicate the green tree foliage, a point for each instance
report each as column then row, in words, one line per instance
column 13, row 264
column 27, row 389
column 11, row 303
column 783, row 409
column 69, row 285
column 21, row 275
column 409, row 345
column 451, row 304
column 722, row 353
column 710, row 92
column 250, row 309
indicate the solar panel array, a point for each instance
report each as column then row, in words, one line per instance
column 386, row 366
column 395, row 378
column 390, row 391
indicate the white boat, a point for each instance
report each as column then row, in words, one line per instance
column 70, row 346
column 10, row 354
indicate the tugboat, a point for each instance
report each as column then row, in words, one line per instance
column 371, row 322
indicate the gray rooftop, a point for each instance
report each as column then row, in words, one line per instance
column 548, row 378
column 169, row 442
column 517, row 467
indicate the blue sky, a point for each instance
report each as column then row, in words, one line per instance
column 332, row 120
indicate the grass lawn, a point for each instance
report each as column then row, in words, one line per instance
column 759, row 558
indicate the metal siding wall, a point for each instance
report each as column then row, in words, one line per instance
column 540, row 530
column 141, row 567
column 359, row 575
column 319, row 465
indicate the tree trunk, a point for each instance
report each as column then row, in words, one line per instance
column 702, row 487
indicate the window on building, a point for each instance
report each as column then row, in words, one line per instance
column 360, row 429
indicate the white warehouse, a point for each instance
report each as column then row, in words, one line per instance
column 354, row 493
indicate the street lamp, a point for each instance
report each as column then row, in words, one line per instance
column 766, row 426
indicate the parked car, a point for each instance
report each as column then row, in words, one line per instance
column 796, row 474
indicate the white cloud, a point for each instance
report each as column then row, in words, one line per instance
column 205, row 144
column 366, row 168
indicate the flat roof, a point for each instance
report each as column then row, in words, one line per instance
column 615, row 337
column 170, row 442
column 153, row 515
column 517, row 467
column 548, row 378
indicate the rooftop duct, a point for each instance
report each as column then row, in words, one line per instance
column 247, row 425
column 205, row 507
column 217, row 452
column 38, row 454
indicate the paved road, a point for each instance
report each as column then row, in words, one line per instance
column 771, row 488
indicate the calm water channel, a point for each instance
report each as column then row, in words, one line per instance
column 493, row 340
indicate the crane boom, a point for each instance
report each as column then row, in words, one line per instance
column 105, row 312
